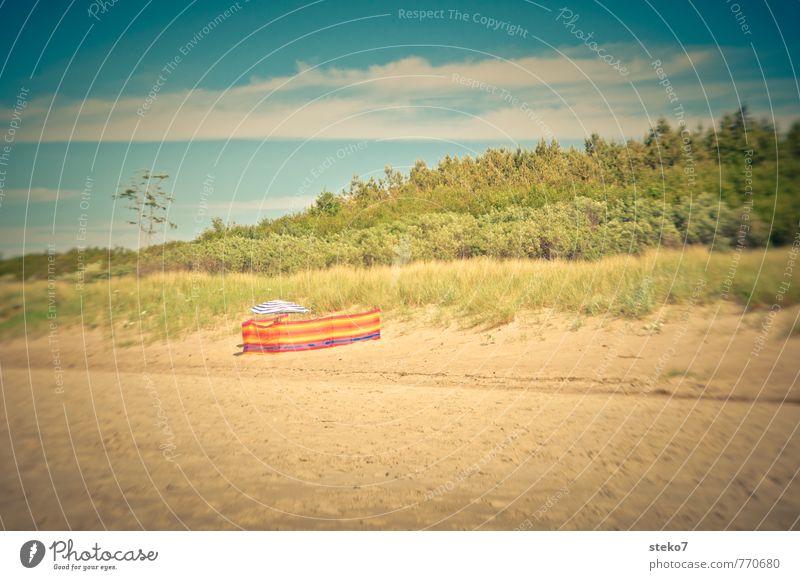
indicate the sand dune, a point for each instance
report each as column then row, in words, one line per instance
column 687, row 420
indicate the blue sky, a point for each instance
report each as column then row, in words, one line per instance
column 272, row 102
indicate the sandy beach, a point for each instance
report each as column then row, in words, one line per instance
column 687, row 419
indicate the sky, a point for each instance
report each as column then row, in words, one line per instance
column 253, row 108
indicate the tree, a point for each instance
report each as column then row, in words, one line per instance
column 792, row 141
column 327, row 204
column 663, row 145
column 732, row 137
column 218, row 226
column 149, row 204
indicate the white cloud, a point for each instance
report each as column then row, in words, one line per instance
column 38, row 195
column 63, row 237
column 269, row 204
column 563, row 95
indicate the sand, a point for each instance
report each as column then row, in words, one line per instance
column 687, row 419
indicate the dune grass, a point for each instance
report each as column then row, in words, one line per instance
column 475, row 292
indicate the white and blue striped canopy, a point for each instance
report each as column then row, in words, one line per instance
column 278, row 307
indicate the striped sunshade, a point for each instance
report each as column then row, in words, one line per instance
column 278, row 307
column 280, row 335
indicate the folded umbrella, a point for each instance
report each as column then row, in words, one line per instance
column 278, row 307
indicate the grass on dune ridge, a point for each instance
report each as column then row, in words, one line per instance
column 476, row 291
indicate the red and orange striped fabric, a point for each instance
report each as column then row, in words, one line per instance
column 280, row 335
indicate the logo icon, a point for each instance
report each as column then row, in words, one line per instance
column 31, row 553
